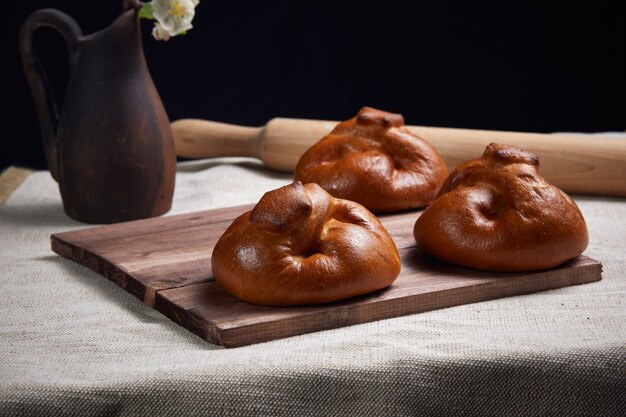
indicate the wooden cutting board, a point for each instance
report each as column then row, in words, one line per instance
column 166, row 263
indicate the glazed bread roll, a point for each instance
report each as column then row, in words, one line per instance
column 300, row 245
column 373, row 160
column 496, row 213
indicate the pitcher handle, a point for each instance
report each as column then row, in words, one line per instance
column 45, row 104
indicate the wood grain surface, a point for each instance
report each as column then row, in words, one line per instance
column 166, row 263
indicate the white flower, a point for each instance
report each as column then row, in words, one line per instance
column 159, row 33
column 173, row 17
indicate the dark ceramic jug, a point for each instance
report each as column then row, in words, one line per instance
column 110, row 147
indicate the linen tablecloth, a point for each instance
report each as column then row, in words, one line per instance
column 73, row 343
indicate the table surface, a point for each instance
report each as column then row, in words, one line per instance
column 71, row 342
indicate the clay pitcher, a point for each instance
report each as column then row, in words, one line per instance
column 110, row 147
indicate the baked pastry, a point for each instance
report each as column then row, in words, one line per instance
column 373, row 160
column 300, row 245
column 497, row 213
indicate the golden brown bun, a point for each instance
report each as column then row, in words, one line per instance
column 300, row 245
column 496, row 213
column 373, row 160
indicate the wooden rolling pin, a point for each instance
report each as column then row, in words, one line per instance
column 578, row 164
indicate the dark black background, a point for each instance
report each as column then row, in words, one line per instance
column 504, row 65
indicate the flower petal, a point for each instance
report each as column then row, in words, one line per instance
column 159, row 33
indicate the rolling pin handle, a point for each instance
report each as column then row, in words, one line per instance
column 195, row 138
